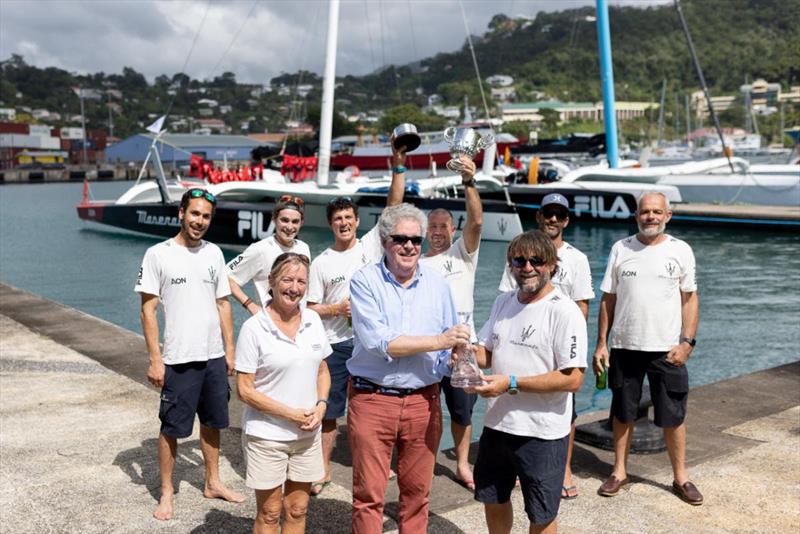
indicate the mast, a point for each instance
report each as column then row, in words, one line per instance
column 661, row 112
column 328, row 81
column 607, row 81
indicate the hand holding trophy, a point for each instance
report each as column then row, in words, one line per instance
column 467, row 142
column 466, row 373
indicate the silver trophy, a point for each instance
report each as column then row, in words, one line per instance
column 405, row 136
column 465, row 141
column 465, row 371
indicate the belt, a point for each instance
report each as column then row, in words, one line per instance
column 362, row 384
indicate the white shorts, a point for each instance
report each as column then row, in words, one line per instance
column 271, row 463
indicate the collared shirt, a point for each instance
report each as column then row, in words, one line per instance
column 384, row 310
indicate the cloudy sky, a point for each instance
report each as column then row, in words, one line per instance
column 255, row 39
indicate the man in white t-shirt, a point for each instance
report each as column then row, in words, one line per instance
column 535, row 343
column 256, row 261
column 187, row 275
column 457, row 262
column 650, row 308
column 329, row 296
column 574, row 279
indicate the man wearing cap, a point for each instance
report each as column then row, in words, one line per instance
column 329, row 296
column 457, row 262
column 256, row 261
column 573, row 278
column 650, row 309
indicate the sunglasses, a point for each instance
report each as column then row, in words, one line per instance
column 289, row 199
column 198, row 193
column 341, row 199
column 399, row 239
column 520, row 261
column 560, row 214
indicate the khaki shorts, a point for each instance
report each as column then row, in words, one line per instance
column 271, row 463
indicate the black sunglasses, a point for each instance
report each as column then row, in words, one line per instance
column 560, row 214
column 399, row 239
column 340, row 199
column 197, row 193
column 520, row 261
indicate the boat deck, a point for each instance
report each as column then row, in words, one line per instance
column 744, row 215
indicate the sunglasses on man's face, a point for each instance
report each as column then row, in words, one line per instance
column 399, row 239
column 559, row 214
column 519, row 262
column 198, row 193
column 289, row 199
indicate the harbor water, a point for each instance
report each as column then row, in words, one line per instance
column 749, row 282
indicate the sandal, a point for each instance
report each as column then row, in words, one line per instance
column 318, row 487
column 569, row 492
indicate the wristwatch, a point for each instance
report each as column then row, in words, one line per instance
column 512, row 385
column 690, row 340
column 469, row 183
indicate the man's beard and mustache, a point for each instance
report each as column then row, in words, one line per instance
column 541, row 280
column 650, row 230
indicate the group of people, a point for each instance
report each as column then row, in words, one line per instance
column 371, row 329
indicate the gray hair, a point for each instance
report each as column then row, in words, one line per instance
column 647, row 194
column 394, row 214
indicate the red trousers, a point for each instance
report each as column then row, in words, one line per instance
column 375, row 425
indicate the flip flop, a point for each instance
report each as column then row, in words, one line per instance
column 566, row 492
column 468, row 484
column 318, row 487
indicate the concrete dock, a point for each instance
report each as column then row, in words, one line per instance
column 79, row 429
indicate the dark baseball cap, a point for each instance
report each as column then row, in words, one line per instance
column 555, row 198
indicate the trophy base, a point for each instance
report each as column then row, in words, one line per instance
column 466, row 381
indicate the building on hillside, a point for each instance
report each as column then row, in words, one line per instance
column 214, row 125
column 697, row 102
column 176, row 149
column 568, row 111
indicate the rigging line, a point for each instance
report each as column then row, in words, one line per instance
column 235, row 36
column 188, row 56
column 380, row 27
column 411, row 27
column 474, row 59
column 369, row 36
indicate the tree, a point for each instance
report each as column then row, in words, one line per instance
column 413, row 114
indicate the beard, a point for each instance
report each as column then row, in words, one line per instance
column 532, row 289
column 652, row 231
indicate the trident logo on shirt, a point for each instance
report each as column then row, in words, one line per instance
column 670, row 267
column 527, row 332
column 448, row 266
column 502, row 225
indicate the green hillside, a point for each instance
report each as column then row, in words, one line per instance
column 555, row 54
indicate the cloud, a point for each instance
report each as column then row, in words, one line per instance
column 264, row 37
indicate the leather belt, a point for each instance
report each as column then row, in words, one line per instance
column 362, row 384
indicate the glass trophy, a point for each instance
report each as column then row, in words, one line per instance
column 465, row 371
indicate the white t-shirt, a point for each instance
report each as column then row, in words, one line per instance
column 329, row 279
column 528, row 340
column 285, row 371
column 648, row 281
column 188, row 282
column 573, row 277
column 458, row 267
column 256, row 261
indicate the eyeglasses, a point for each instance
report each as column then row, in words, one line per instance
column 519, row 262
column 560, row 214
column 399, row 239
column 289, row 199
column 198, row 193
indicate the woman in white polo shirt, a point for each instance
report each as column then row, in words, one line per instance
column 283, row 380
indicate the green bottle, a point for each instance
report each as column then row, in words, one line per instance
column 601, row 380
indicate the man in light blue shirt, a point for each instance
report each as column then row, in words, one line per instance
column 404, row 325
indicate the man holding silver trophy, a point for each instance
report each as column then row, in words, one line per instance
column 457, row 262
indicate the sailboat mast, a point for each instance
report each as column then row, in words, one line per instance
column 328, row 81
column 607, row 81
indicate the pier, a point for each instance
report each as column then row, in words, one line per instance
column 80, row 429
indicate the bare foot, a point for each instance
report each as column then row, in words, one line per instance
column 164, row 509
column 221, row 492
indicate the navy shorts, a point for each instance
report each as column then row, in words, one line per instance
column 539, row 464
column 669, row 386
column 194, row 388
column 337, row 367
column 459, row 403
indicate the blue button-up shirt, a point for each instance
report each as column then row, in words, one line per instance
column 384, row 310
